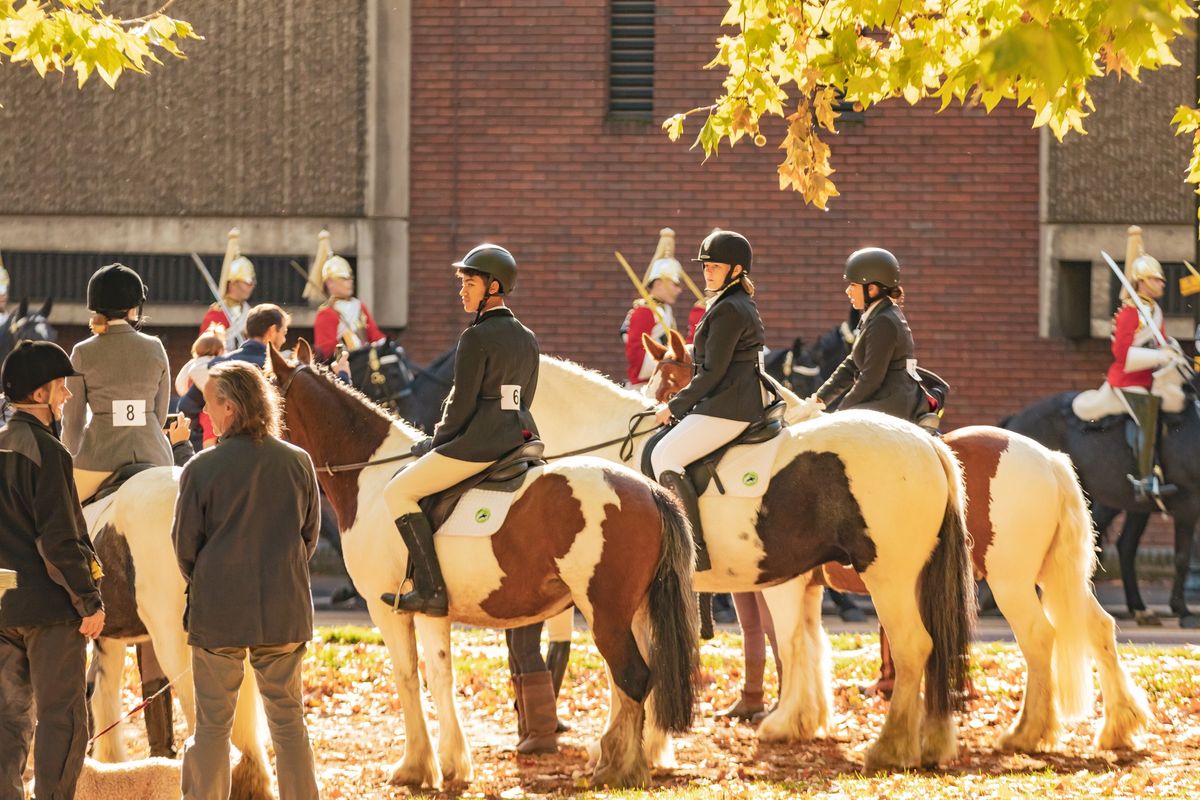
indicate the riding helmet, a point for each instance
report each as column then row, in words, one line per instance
column 115, row 287
column 493, row 260
column 726, row 247
column 873, row 265
column 33, row 364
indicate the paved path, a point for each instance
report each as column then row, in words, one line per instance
column 991, row 628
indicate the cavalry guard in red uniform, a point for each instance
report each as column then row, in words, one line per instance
column 342, row 317
column 662, row 282
column 1137, row 353
column 236, row 286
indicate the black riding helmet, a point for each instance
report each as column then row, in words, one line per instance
column 115, row 287
column 33, row 364
column 873, row 265
column 493, row 260
column 726, row 247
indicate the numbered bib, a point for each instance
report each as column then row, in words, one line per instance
column 129, row 413
column 911, row 366
column 510, row 397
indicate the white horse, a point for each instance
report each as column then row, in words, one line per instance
column 1030, row 528
column 832, row 478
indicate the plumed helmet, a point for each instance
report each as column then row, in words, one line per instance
column 33, row 364
column 1139, row 265
column 326, row 264
column 726, row 247
column 493, row 260
column 873, row 265
column 115, row 287
column 235, row 267
column 664, row 264
column 1146, row 266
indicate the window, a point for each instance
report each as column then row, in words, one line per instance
column 1172, row 302
column 631, row 59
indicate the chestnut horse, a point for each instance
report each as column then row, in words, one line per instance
column 836, row 486
column 1030, row 527
column 580, row 532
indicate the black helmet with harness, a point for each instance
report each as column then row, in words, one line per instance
column 115, row 287
column 495, row 262
column 873, row 265
column 726, row 247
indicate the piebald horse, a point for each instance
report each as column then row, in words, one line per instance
column 580, row 532
column 1029, row 527
column 859, row 487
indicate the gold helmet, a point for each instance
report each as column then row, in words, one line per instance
column 325, row 265
column 236, row 266
column 664, row 264
column 1139, row 265
column 4, row 279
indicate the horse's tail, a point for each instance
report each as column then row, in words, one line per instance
column 947, row 598
column 251, row 778
column 674, row 650
column 1066, row 579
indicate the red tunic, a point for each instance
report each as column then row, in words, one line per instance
column 641, row 320
column 694, row 319
column 1128, row 331
column 325, row 330
column 215, row 316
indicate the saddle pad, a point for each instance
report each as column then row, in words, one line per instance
column 479, row 512
column 745, row 470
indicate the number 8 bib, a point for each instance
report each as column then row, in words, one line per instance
column 129, row 413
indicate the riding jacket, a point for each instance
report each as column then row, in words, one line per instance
column 495, row 376
column 880, row 374
column 42, row 533
column 729, row 338
column 125, row 380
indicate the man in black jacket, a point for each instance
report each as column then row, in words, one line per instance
column 45, row 622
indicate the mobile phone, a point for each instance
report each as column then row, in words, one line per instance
column 169, row 420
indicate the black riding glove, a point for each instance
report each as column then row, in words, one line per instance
column 423, row 446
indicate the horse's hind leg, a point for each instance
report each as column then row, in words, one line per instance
column 622, row 761
column 453, row 753
column 899, row 743
column 1037, row 723
column 109, row 655
column 419, row 767
column 1125, row 710
column 797, row 716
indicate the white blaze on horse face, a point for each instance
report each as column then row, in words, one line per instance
column 650, row 390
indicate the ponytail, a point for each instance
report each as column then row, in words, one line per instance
column 747, row 284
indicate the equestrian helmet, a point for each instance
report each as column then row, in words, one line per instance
column 115, row 287
column 493, row 260
column 726, row 247
column 32, row 364
column 873, row 265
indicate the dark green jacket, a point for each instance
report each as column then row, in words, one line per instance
column 729, row 339
column 876, row 374
column 495, row 376
column 42, row 532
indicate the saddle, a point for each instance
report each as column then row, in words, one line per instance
column 506, row 476
column 115, row 481
column 704, row 471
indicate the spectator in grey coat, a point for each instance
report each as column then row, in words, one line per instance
column 246, row 525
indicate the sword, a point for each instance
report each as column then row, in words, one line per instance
column 235, row 329
column 1142, row 311
column 642, row 291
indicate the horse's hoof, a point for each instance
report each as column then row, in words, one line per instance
column 776, row 727
column 1018, row 741
column 614, row 779
column 1189, row 622
column 883, row 759
column 415, row 773
column 1147, row 618
column 457, row 769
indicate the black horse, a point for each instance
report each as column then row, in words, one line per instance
column 1103, row 460
column 20, row 326
column 422, row 403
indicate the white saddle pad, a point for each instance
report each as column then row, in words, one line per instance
column 479, row 513
column 745, row 470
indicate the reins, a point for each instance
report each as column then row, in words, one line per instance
column 140, row 705
column 625, row 441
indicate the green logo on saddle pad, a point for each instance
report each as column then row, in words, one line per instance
column 483, row 515
column 750, row 479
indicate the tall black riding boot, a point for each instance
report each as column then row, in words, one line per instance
column 428, row 595
column 557, row 656
column 1146, row 484
column 681, row 485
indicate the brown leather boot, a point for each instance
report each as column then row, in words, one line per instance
column 536, row 690
column 749, row 704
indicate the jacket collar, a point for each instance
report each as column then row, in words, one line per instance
column 878, row 307
column 118, row 326
column 496, row 313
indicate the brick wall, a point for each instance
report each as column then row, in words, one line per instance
column 511, row 143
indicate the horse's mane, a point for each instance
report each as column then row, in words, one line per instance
column 441, row 360
column 593, row 377
column 370, row 405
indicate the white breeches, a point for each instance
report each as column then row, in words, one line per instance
column 560, row 626
column 693, row 438
column 429, row 474
column 87, row 481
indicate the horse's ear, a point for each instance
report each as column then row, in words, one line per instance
column 678, row 346
column 304, row 353
column 22, row 308
column 656, row 350
column 797, row 346
column 46, row 306
column 279, row 364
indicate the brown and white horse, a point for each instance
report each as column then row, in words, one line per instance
column 862, row 487
column 580, row 532
column 1030, row 527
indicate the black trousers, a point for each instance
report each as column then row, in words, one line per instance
column 525, row 649
column 42, row 666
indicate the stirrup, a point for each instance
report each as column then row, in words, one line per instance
column 436, row 605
